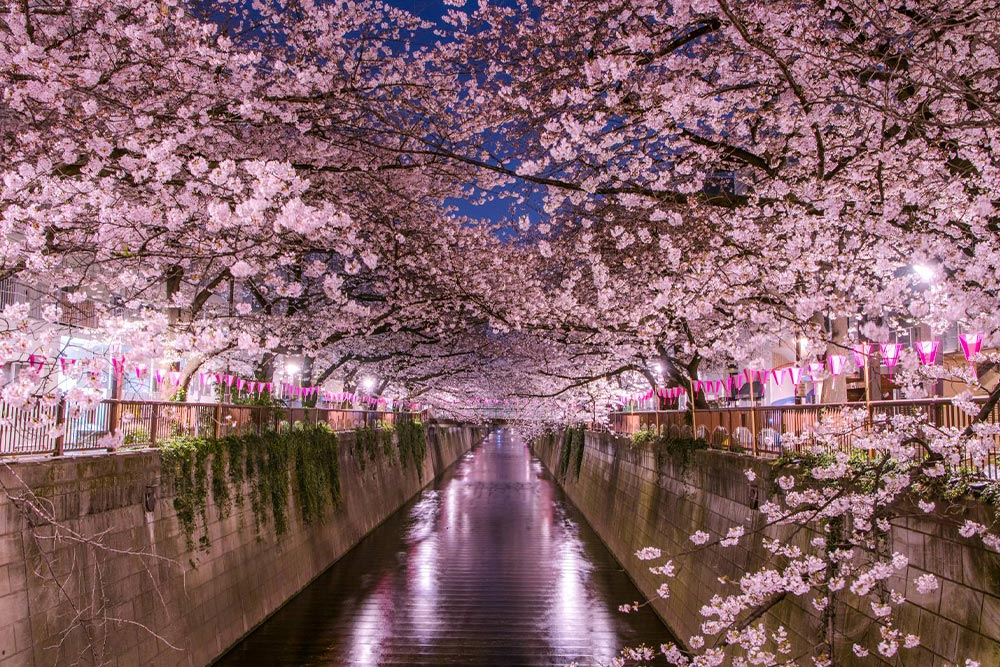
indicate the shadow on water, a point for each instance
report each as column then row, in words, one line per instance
column 490, row 565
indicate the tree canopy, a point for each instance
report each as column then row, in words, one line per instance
column 682, row 183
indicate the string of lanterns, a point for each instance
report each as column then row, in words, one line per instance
column 234, row 384
column 889, row 353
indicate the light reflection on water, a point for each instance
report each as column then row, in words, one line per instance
column 488, row 567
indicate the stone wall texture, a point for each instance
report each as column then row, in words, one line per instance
column 63, row 601
column 634, row 501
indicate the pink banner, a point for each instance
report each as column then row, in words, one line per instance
column 890, row 353
column 971, row 344
column 862, row 351
column 927, row 351
column 836, row 363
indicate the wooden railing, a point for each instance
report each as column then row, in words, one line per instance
column 60, row 427
column 763, row 431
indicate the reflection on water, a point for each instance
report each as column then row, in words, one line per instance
column 489, row 566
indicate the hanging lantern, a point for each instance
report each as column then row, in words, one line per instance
column 175, row 377
column 862, row 351
column 971, row 344
column 890, row 355
column 927, row 351
column 795, row 373
column 837, row 363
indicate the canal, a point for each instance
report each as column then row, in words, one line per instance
column 489, row 566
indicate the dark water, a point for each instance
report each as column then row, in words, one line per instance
column 490, row 565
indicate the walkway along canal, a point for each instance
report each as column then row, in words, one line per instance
column 488, row 566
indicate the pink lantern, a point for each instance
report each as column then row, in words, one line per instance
column 971, row 344
column 795, row 373
column 158, row 376
column 862, row 351
column 779, row 375
column 175, row 377
column 36, row 362
column 890, row 355
column 927, row 351
column 837, row 363
column 118, row 364
column 140, row 370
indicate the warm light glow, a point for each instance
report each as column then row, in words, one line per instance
column 292, row 369
column 368, row 383
column 924, row 272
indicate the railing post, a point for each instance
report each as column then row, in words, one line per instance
column 217, row 421
column 60, row 421
column 154, row 419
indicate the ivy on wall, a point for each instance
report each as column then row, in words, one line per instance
column 267, row 464
column 665, row 446
column 411, row 441
column 571, row 453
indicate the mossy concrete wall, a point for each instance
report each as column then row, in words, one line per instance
column 633, row 500
column 63, row 601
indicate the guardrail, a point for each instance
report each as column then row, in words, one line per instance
column 760, row 430
column 60, row 427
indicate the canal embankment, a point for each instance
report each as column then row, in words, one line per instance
column 130, row 559
column 634, row 498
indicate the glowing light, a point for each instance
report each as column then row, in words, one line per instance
column 924, row 272
column 368, row 383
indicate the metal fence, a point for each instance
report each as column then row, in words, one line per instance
column 61, row 427
column 764, row 431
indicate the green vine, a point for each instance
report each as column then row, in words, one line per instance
column 366, row 444
column 411, row 441
column 385, row 437
column 261, row 465
column 667, row 447
column 571, row 451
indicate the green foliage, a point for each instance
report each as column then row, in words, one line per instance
column 178, row 458
column 644, row 436
column 366, row 441
column 139, row 436
column 571, row 453
column 385, row 432
column 412, row 444
column 268, row 462
column 666, row 447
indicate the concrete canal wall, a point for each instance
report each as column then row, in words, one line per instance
column 64, row 601
column 634, row 501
